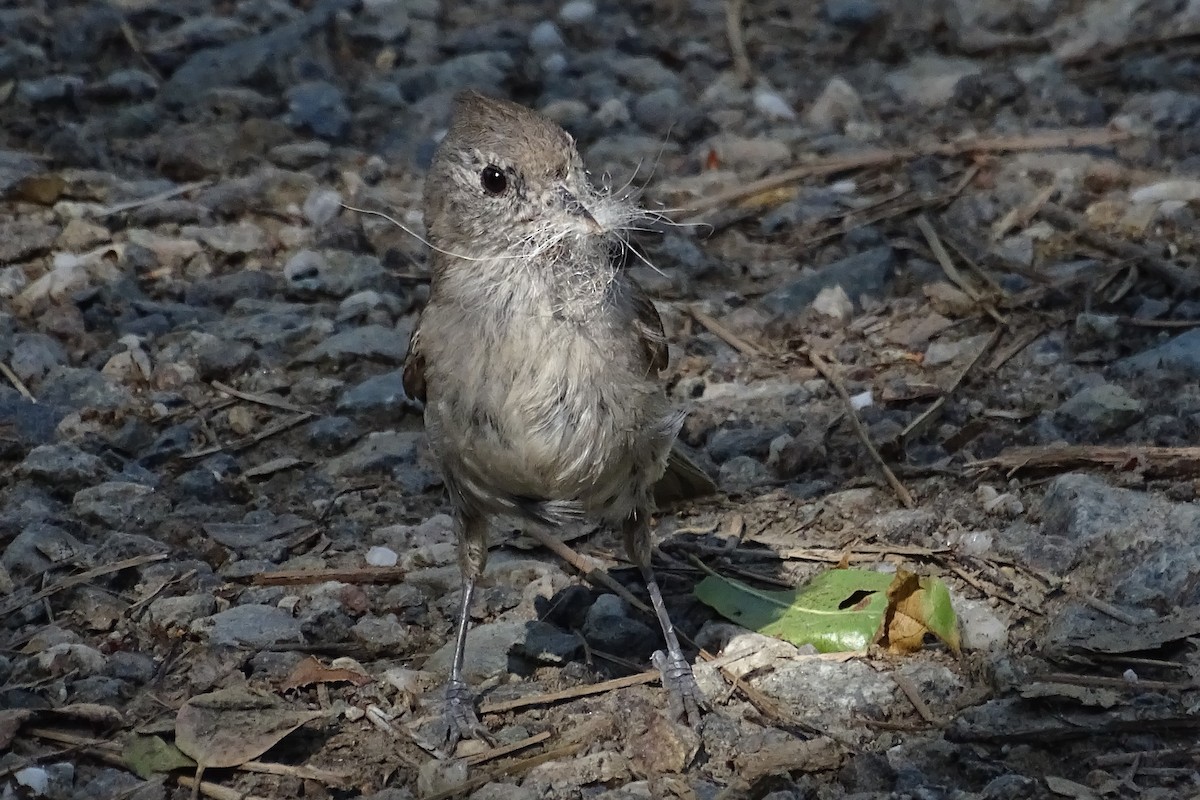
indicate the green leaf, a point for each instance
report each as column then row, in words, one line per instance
column 147, row 755
column 841, row 610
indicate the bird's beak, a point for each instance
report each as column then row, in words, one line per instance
column 576, row 209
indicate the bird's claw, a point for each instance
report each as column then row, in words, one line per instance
column 459, row 717
column 685, row 701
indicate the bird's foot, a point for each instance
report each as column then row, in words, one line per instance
column 459, row 717
column 684, row 698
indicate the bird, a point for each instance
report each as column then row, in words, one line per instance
column 538, row 360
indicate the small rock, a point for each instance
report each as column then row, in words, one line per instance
column 577, row 12
column 35, row 355
column 50, row 89
column 833, row 302
column 1099, row 410
column 381, row 557
column 239, row 239
column 80, row 235
column 1179, row 355
column 980, row 626
column 866, row 273
column 63, row 466
column 121, row 505
column 40, row 547
column 929, row 81
column 23, row 239
column 772, row 106
column 546, row 644
column 545, row 37
column 366, row 342
column 251, row 625
column 330, row 435
column 488, row 645
column 609, row 627
column 658, row 110
column 836, row 106
column 385, row 632
column 852, row 14
column 321, row 206
column 380, row 451
column 180, row 612
column 379, row 394
column 741, row 473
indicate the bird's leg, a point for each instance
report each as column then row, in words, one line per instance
column 682, row 691
column 459, row 716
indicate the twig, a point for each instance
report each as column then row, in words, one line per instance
column 299, row 577
column 1023, row 340
column 737, row 44
column 1104, row 607
column 17, row 383
column 260, row 399
column 861, row 553
column 1151, row 461
column 1078, row 225
column 1020, row 216
column 550, row 698
column 503, row 750
column 827, row 372
column 994, row 591
column 15, row 603
column 591, row 573
column 914, row 696
column 1110, row 682
column 249, row 441
column 724, row 334
column 947, row 265
column 152, row 199
column 935, row 408
column 302, row 771
column 215, row 790
column 1047, row 140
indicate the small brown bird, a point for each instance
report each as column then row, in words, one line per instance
column 537, row 359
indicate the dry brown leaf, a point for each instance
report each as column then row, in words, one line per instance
column 229, row 727
column 310, row 671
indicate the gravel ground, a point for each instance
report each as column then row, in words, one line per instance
column 970, row 226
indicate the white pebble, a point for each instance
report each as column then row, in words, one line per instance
column 382, row 557
column 770, row 104
column 545, row 37
column 577, row 12
column 981, row 628
column 36, row 779
column 322, row 205
column 862, row 400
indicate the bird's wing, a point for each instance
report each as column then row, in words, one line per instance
column 649, row 327
column 414, row 367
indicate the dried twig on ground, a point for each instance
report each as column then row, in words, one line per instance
column 724, row 334
column 549, row 698
column 1079, row 226
column 1046, row 140
column 828, row 373
column 14, row 603
column 296, row 577
column 1151, row 461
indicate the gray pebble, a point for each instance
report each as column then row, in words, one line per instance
column 577, row 12
column 63, row 466
column 252, row 625
column 867, row 273
column 1100, row 410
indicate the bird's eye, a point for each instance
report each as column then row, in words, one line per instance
column 493, row 180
